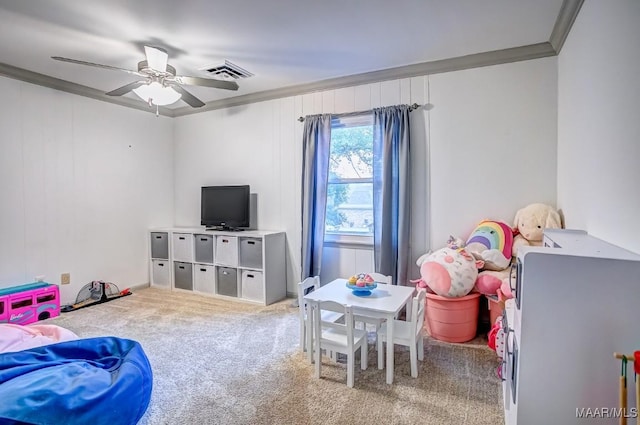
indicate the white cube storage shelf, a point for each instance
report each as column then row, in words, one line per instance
column 248, row 265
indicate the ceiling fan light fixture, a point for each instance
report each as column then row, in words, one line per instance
column 157, row 94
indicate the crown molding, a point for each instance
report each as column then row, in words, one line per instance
column 564, row 22
column 73, row 88
column 495, row 57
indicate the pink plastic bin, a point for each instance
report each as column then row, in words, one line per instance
column 452, row 319
column 495, row 310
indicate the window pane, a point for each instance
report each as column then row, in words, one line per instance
column 350, row 208
column 351, row 153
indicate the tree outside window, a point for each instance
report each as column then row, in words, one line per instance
column 350, row 186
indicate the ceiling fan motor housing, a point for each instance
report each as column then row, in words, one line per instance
column 143, row 67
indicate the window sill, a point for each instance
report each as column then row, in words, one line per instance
column 348, row 241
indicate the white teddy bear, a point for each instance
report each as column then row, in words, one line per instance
column 530, row 223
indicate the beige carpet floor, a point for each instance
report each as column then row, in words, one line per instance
column 220, row 362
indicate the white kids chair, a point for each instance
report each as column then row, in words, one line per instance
column 312, row 284
column 408, row 334
column 338, row 337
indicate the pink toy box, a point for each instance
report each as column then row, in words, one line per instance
column 29, row 303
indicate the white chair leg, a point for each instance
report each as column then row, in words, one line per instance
column 317, row 351
column 375, row 341
column 413, row 355
column 350, row 370
column 364, row 355
column 421, row 348
column 318, row 361
column 379, row 349
column 303, row 337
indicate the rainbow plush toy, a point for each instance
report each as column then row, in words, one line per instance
column 491, row 241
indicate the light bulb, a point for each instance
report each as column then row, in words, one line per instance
column 157, row 94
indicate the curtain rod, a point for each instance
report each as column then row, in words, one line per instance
column 347, row 114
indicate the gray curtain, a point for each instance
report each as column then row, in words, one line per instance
column 391, row 191
column 315, row 173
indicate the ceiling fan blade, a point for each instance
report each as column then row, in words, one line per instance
column 156, row 58
column 190, row 99
column 97, row 65
column 126, row 88
column 206, row 82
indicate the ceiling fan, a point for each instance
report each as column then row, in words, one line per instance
column 160, row 85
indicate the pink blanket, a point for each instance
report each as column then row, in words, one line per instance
column 18, row 337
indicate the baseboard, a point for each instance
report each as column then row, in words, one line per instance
column 139, row 286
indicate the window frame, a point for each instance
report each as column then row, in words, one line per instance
column 345, row 239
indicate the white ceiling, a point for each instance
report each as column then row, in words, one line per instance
column 283, row 42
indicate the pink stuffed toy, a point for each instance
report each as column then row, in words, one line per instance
column 449, row 272
column 495, row 283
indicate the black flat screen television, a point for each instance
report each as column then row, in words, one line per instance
column 225, row 207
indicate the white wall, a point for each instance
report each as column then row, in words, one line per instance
column 81, row 181
column 482, row 125
column 493, row 144
column 598, row 123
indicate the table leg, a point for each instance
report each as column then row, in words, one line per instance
column 309, row 333
column 390, row 347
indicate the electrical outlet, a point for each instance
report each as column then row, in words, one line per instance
column 65, row 278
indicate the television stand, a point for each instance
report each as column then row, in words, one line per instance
column 225, row 229
column 242, row 266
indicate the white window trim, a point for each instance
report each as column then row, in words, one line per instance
column 345, row 240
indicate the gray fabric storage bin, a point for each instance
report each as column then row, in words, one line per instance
column 204, row 248
column 183, row 274
column 251, row 253
column 227, row 281
column 160, row 245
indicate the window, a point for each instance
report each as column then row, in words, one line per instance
column 349, row 215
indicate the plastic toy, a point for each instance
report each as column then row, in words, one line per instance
column 96, row 292
column 29, row 303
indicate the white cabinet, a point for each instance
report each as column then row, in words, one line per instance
column 577, row 302
column 248, row 265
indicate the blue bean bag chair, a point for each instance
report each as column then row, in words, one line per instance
column 104, row 380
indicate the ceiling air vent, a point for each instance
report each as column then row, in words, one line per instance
column 228, row 70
